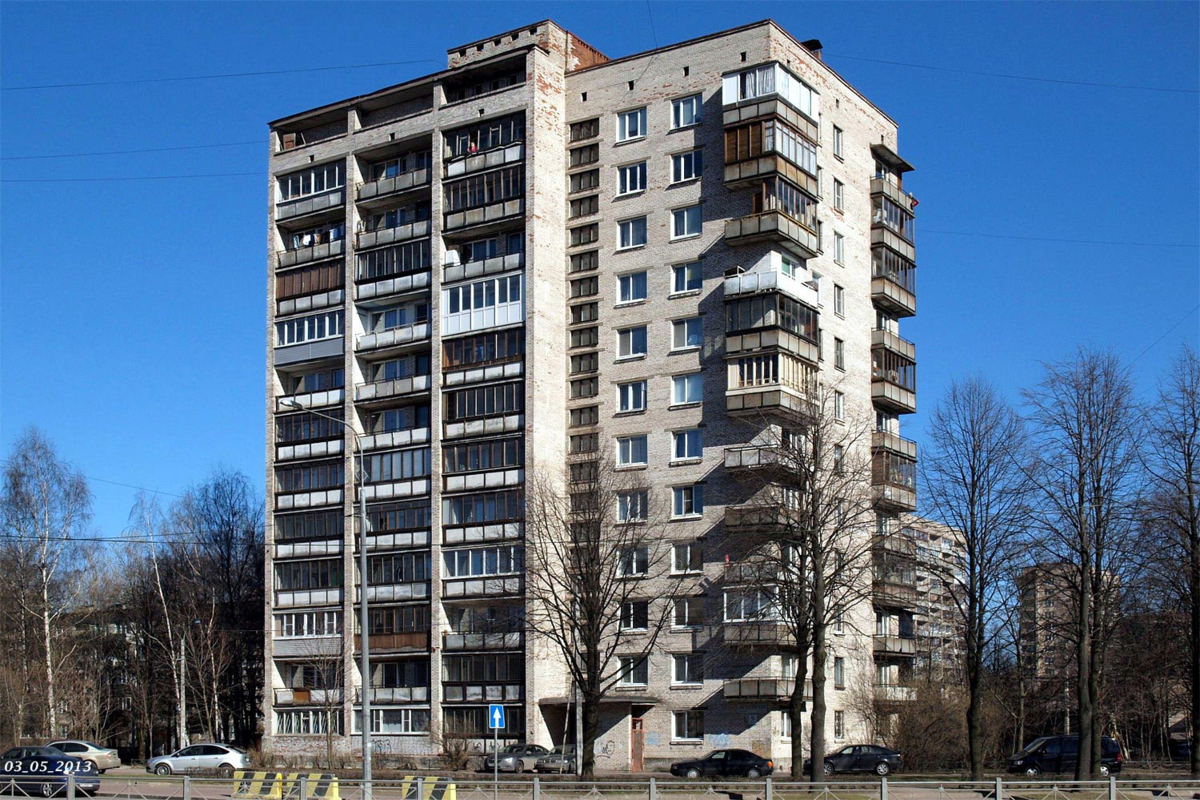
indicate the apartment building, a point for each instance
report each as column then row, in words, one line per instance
column 533, row 257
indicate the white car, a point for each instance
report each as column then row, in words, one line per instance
column 101, row 758
column 220, row 758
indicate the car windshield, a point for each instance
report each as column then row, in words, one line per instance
column 1036, row 744
column 514, row 748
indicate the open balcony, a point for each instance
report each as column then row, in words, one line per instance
column 400, row 233
column 313, row 252
column 402, row 335
column 394, row 387
column 770, row 690
column 892, row 221
column 895, row 694
column 512, row 153
column 763, row 462
column 895, row 443
column 772, row 280
column 902, row 646
column 892, row 591
column 312, row 205
column 776, row 227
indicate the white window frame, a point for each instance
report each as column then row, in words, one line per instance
column 631, row 179
column 686, row 437
column 839, row 248
column 686, row 660
column 687, row 502
column 676, row 716
column 686, row 328
column 626, row 450
column 839, row 300
column 627, row 230
column 693, row 160
column 630, row 665
column 678, row 270
column 839, row 353
column 839, row 672
column 627, row 342
column 687, row 609
column 631, row 506
column 686, row 215
column 630, row 624
column 839, row 406
column 839, row 725
column 626, row 282
column 631, row 397
column 680, row 104
column 838, row 142
column 688, row 549
column 839, row 195
column 631, row 133
column 688, row 383
column 641, row 562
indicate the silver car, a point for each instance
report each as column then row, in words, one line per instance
column 516, row 758
column 222, row 759
column 101, row 758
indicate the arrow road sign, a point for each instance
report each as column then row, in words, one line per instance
column 495, row 717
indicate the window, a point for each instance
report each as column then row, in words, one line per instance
column 744, row 605
column 631, row 342
column 687, row 726
column 585, row 206
column 582, row 181
column 771, row 79
column 485, row 136
column 585, row 312
column 581, row 417
column 839, row 191
column 585, row 337
column 839, row 406
column 588, row 154
column 486, row 189
column 485, row 455
column 308, row 623
column 631, row 451
column 401, row 465
column 786, row 727
column 395, row 260
column 587, row 129
column 313, row 180
column 585, row 262
column 687, row 557
column 635, row 562
column 839, row 459
column 483, row 401
column 585, row 234
column 839, row 623
column 687, row 333
column 839, row 353
column 311, row 477
column 687, row 388
column 839, row 673
column 398, row 568
column 789, row 267
column 631, row 178
column 687, row 668
column 759, row 138
column 686, row 278
column 631, row 397
column 631, row 506
column 839, row 724
column 839, row 300
column 687, row 501
column 291, row 576
column 687, row 166
column 479, row 509
column 484, row 349
column 837, row 141
column 631, row 287
column 635, row 671
column 688, row 445
column 631, row 233
column 769, row 311
column 300, row 722
column 631, row 125
column 686, row 222
column 310, row 525
column 635, row 615
column 308, row 329
column 685, row 111
column 480, row 561
column 688, row 612
column 839, row 248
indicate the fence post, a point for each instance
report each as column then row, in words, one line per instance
column 1112, row 787
column 420, row 786
column 769, row 790
column 537, row 788
column 999, row 789
column 70, row 787
column 883, row 788
column 653, row 789
column 187, row 788
column 303, row 788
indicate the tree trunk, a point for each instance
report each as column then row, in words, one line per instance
column 974, row 657
column 591, row 722
column 818, row 683
column 796, row 718
column 1194, row 587
column 1083, row 763
column 51, row 707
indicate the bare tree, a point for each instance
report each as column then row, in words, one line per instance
column 45, row 505
column 1085, row 437
column 1174, row 469
column 594, row 542
column 976, row 482
column 808, row 558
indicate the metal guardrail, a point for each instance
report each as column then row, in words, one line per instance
column 474, row 787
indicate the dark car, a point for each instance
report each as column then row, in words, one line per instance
column 1058, row 754
column 1181, row 750
column 45, row 771
column 860, row 758
column 560, row 759
column 725, row 764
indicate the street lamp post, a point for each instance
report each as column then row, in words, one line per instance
column 364, row 618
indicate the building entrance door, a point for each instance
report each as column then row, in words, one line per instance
column 637, row 733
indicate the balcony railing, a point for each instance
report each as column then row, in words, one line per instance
column 883, row 440
column 482, row 692
column 315, row 252
column 400, row 233
column 392, row 642
column 894, row 342
column 770, row 280
column 287, row 697
column 393, row 387
column 774, row 226
column 395, row 694
column 892, row 191
column 759, row 689
column 755, row 634
column 496, row 157
column 895, row 645
column 895, row 694
column 893, row 593
column 397, row 183
column 491, row 640
column 759, row 458
column 754, row 518
column 893, row 287
column 393, row 337
column 335, row 199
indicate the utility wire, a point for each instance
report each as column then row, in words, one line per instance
column 127, row 152
column 1165, row 334
column 1010, row 76
column 216, row 76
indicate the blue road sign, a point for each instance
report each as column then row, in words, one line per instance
column 495, row 717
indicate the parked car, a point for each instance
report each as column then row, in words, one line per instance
column 516, row 757
column 45, row 770
column 560, row 759
column 1181, row 750
column 102, row 758
column 220, row 758
column 861, row 758
column 1058, row 754
column 724, row 764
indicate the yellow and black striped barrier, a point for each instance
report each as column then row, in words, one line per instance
column 434, row 789
column 317, row 786
column 258, row 785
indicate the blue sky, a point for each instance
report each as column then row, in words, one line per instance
column 132, row 313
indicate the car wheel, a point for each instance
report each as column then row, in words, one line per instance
column 225, row 770
column 1032, row 771
column 693, row 773
column 1104, row 770
column 48, row 789
column 753, row 773
column 828, row 768
column 882, row 769
column 162, row 769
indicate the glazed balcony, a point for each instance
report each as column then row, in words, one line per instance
column 406, row 283
column 456, row 270
column 305, row 696
column 482, row 692
column 892, row 221
column 756, row 634
column 776, row 227
column 403, row 437
column 893, row 282
column 893, row 372
column 771, row 690
column 757, row 389
column 483, row 586
column 332, row 202
column 892, row 442
column 902, row 646
column 394, row 694
column 492, row 640
column 749, row 171
column 390, row 187
column 892, row 591
column 400, row 233
column 754, row 519
column 408, row 641
column 512, row 153
column 894, row 481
